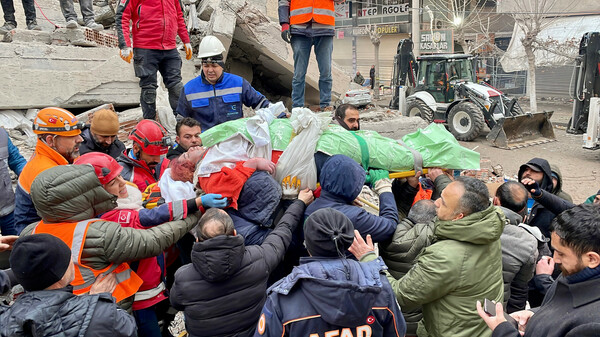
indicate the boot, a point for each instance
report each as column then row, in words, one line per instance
column 33, row 26
column 7, row 27
column 72, row 24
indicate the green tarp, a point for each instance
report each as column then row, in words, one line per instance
column 436, row 145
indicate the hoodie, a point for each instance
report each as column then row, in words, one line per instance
column 224, row 288
column 341, row 181
column 558, row 189
column 328, row 295
column 539, row 216
column 258, row 201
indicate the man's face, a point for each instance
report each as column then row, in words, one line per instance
column 69, row 275
column 117, row 187
column 103, row 141
column 569, row 262
column 150, row 160
column 597, row 199
column 212, row 72
column 67, row 146
column 532, row 174
column 352, row 119
column 189, row 137
column 448, row 203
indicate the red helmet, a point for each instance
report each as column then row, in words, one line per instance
column 105, row 166
column 152, row 137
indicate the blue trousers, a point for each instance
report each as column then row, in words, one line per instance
column 301, row 46
column 7, row 224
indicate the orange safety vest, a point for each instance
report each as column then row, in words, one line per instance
column 74, row 234
column 322, row 11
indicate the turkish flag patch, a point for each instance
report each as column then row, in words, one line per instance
column 370, row 320
column 52, row 120
column 124, row 217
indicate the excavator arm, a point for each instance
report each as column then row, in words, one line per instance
column 585, row 81
column 405, row 70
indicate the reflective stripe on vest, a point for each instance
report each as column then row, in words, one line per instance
column 150, row 293
column 74, row 234
column 321, row 11
column 218, row 92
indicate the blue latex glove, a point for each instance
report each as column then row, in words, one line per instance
column 213, row 200
column 374, row 175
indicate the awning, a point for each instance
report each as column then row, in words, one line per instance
column 563, row 33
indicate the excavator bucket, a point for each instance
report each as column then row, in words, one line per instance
column 523, row 130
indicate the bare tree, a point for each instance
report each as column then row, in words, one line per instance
column 466, row 18
column 532, row 17
column 375, row 37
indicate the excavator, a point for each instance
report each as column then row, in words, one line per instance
column 442, row 88
column 586, row 91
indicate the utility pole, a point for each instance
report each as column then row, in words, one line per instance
column 416, row 27
column 354, row 17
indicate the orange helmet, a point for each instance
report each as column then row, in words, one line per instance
column 56, row 121
column 152, row 137
column 105, row 166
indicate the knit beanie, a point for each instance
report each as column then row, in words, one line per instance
column 39, row 260
column 328, row 233
column 105, row 123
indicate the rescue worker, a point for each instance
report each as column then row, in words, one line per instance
column 58, row 142
column 69, row 198
column 215, row 96
column 156, row 25
column 149, row 301
column 188, row 135
column 42, row 264
column 305, row 24
column 143, row 163
column 10, row 158
column 329, row 295
column 101, row 135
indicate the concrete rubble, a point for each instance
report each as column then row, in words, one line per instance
column 88, row 77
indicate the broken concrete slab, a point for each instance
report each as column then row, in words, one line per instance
column 37, row 76
column 31, row 36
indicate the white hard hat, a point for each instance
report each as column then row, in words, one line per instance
column 210, row 46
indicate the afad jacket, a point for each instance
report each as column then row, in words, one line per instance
column 155, row 24
column 213, row 104
column 332, row 297
column 152, row 270
column 137, row 172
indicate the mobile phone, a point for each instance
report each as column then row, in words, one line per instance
column 489, row 307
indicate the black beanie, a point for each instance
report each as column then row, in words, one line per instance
column 39, row 260
column 328, row 233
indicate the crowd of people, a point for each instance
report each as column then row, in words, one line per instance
column 106, row 239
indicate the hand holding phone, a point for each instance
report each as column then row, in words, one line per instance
column 489, row 307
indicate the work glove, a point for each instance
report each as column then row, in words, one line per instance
column 188, row 51
column 213, row 200
column 374, row 175
column 286, row 35
column 383, row 185
column 532, row 187
column 126, row 54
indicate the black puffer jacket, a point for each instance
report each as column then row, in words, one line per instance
column 61, row 313
column 224, row 288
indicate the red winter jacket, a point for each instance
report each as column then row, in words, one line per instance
column 151, row 270
column 156, row 24
column 137, row 172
